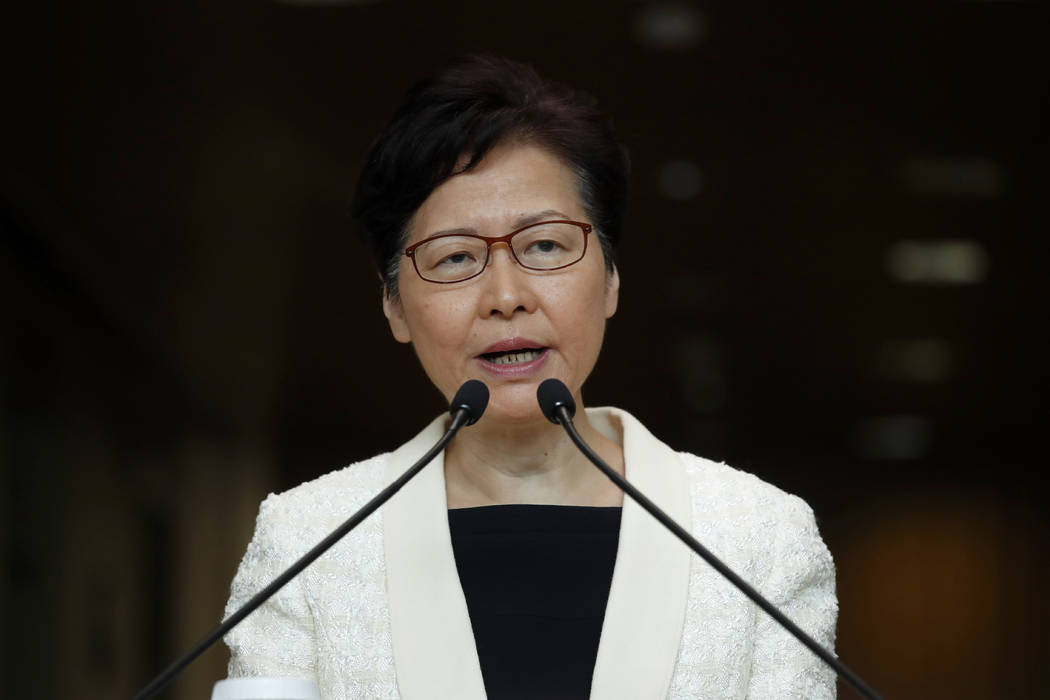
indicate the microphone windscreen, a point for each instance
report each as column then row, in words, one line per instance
column 472, row 397
column 552, row 394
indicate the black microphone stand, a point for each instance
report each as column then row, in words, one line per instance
column 564, row 418
column 461, row 416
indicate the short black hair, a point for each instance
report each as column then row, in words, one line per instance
column 460, row 114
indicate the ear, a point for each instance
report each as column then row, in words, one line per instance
column 395, row 316
column 612, row 291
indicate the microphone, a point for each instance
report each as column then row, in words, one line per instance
column 473, row 398
column 559, row 407
column 466, row 408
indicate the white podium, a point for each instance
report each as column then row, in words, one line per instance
column 265, row 689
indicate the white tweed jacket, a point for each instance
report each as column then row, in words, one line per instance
column 382, row 614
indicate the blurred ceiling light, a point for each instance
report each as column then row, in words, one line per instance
column 952, row 176
column 893, row 437
column 937, row 262
column 926, row 360
column 680, row 179
column 670, row 26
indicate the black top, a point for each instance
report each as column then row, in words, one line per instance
column 536, row 579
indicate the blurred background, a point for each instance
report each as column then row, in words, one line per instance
column 834, row 276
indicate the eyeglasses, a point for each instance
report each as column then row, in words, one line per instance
column 455, row 257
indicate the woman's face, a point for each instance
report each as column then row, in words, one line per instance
column 462, row 331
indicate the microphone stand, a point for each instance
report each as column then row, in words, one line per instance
column 564, row 418
column 461, row 417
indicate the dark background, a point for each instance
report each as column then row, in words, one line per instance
column 833, row 277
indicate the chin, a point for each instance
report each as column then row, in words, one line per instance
column 514, row 404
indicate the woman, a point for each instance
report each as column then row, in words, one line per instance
column 510, row 566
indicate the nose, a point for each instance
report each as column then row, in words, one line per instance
column 507, row 286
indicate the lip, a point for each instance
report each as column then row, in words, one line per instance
column 516, row 371
column 515, row 343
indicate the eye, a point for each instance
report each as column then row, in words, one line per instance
column 544, row 246
column 456, row 259
column 451, row 253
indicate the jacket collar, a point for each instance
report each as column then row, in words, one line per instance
column 434, row 651
column 646, row 610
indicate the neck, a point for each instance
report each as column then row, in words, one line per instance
column 533, row 463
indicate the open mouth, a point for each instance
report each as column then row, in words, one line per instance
column 513, row 357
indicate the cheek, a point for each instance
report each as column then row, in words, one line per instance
column 579, row 311
column 439, row 324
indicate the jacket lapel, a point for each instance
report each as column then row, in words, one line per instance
column 434, row 651
column 645, row 614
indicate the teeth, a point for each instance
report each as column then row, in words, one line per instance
column 511, row 358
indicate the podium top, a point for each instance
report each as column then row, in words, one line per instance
column 265, row 689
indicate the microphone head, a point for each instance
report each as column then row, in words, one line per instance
column 553, row 394
column 472, row 397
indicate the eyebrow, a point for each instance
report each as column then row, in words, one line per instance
column 520, row 222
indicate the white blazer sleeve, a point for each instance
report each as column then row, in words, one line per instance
column 277, row 639
column 802, row 584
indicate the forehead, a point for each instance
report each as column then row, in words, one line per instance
column 512, row 182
